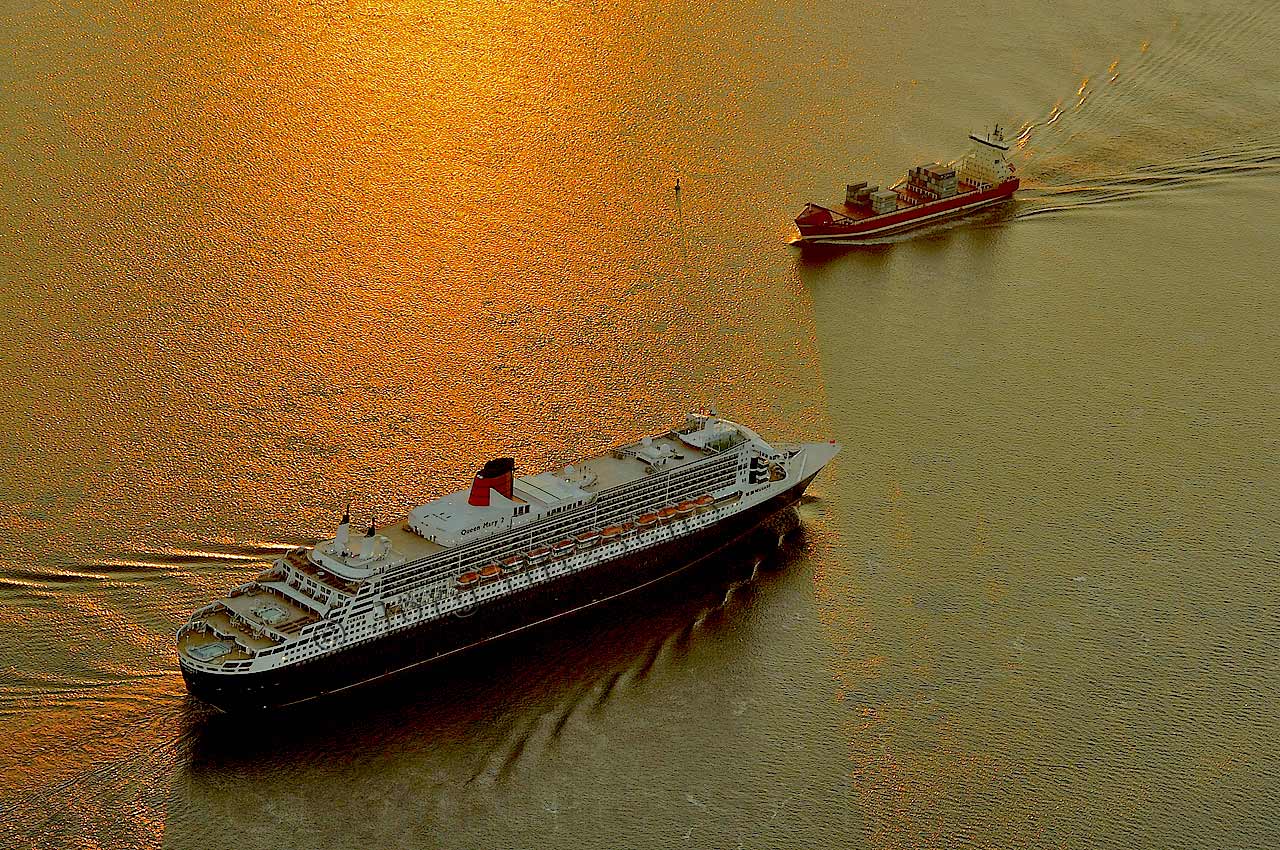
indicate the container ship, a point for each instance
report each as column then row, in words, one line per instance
column 928, row 193
column 506, row 554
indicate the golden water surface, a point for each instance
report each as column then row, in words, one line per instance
column 260, row 259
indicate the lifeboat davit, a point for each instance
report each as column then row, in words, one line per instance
column 489, row 572
column 647, row 520
column 468, row 579
column 515, row 562
column 628, row 528
column 611, row 533
column 537, row 556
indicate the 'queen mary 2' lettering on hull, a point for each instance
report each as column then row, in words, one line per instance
column 472, row 566
column 927, row 194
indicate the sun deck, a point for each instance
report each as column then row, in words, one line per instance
column 617, row 467
column 413, row 546
column 244, row 624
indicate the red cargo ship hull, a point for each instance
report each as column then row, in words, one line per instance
column 819, row 224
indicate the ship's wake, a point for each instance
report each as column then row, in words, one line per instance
column 103, row 755
column 1190, row 108
column 527, row 738
column 125, row 606
column 1211, row 167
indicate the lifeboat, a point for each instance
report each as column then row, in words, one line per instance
column 611, row 533
column 647, row 520
column 561, row 549
column 628, row 528
column 667, row 514
column 686, row 508
column 515, row 562
column 587, row 539
column 468, row 579
column 703, row 502
column 537, row 556
column 489, row 572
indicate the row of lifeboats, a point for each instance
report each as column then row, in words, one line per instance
column 585, row 540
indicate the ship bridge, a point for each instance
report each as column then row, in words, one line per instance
column 712, row 434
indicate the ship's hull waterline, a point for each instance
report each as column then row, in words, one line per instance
column 412, row 648
column 871, row 229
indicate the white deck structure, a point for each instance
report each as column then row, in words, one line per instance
column 452, row 553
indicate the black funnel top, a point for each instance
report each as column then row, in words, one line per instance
column 498, row 466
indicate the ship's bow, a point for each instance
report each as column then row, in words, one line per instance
column 817, row 456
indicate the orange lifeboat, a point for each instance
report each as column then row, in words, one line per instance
column 611, row 533
column 515, row 562
column 686, row 508
column 468, row 579
column 489, row 572
column 537, row 556
column 561, row 549
column 587, row 539
column 628, row 528
column 667, row 514
column 704, row 501
column 647, row 520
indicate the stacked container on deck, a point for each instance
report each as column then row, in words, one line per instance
column 862, row 195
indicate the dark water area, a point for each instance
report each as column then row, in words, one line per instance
column 260, row 260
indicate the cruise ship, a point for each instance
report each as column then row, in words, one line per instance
column 505, row 554
column 927, row 194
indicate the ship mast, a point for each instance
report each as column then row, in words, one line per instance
column 684, row 248
column 684, row 245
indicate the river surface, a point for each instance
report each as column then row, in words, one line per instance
column 260, row 259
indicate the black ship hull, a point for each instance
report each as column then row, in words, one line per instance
column 419, row 645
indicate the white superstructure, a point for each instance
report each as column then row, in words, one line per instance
column 504, row 535
column 985, row 164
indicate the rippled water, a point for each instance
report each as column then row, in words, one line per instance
column 262, row 259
